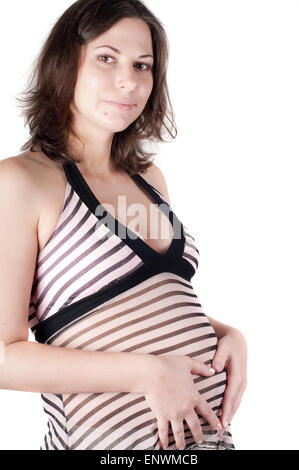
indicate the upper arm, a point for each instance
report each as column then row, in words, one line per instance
column 155, row 177
column 18, row 249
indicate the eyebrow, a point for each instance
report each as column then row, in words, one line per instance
column 118, row 52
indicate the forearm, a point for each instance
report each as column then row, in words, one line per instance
column 36, row 367
column 221, row 329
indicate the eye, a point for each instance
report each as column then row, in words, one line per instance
column 148, row 66
column 103, row 56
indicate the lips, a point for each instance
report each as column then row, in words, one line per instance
column 121, row 105
column 123, row 101
column 128, row 103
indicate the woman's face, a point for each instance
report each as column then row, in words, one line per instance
column 106, row 75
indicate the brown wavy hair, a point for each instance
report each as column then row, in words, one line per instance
column 50, row 90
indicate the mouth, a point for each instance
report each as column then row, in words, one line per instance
column 121, row 106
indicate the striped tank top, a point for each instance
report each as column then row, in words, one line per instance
column 99, row 287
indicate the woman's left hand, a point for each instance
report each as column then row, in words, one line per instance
column 231, row 354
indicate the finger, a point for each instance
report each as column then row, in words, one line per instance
column 230, row 413
column 204, row 409
column 220, row 358
column 179, row 433
column 163, row 427
column 231, row 400
column 199, row 367
column 235, row 407
column 195, row 427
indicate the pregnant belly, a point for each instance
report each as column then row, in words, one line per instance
column 160, row 316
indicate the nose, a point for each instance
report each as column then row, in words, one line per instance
column 126, row 80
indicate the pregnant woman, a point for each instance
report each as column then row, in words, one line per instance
column 125, row 357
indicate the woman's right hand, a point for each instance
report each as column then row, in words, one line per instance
column 173, row 397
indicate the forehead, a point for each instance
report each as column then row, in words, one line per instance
column 128, row 34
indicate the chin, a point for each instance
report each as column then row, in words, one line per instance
column 117, row 127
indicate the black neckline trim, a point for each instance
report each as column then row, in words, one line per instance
column 137, row 244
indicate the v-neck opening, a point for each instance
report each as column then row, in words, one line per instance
column 134, row 241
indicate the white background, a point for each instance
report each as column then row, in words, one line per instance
column 232, row 175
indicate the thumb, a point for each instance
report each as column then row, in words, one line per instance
column 199, row 367
column 219, row 361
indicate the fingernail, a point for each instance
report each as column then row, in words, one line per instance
column 212, row 370
column 220, row 430
column 217, row 366
column 219, row 427
column 199, row 442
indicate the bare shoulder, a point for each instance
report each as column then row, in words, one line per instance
column 29, row 175
column 28, row 168
column 155, row 177
column 37, row 164
column 11, row 167
column 15, row 182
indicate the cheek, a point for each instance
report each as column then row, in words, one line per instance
column 148, row 87
column 90, row 84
